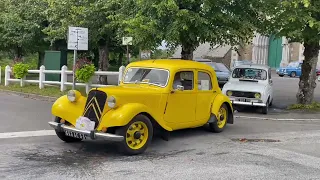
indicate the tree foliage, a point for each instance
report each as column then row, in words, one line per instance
column 299, row 21
column 21, row 24
column 191, row 22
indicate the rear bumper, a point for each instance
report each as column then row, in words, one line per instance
column 92, row 134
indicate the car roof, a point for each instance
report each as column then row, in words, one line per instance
column 257, row 66
column 171, row 64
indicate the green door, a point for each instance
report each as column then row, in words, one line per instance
column 275, row 52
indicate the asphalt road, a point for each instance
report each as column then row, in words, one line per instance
column 190, row 154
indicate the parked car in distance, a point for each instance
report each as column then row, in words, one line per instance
column 293, row 69
column 165, row 95
column 250, row 85
column 222, row 72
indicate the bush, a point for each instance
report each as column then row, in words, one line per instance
column 20, row 70
column 84, row 70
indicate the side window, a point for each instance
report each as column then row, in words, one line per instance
column 204, row 81
column 185, row 79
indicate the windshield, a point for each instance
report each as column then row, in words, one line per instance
column 218, row 67
column 147, row 75
column 249, row 73
column 293, row 64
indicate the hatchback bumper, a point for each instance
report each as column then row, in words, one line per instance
column 247, row 102
column 60, row 127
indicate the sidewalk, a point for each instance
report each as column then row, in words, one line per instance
column 281, row 116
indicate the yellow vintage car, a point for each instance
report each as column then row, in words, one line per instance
column 166, row 95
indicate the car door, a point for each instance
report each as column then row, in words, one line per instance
column 270, row 85
column 204, row 96
column 181, row 104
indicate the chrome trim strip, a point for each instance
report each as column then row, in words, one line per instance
column 92, row 134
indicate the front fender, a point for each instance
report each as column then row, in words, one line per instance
column 123, row 115
column 70, row 111
column 218, row 101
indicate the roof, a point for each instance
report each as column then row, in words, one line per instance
column 204, row 50
column 172, row 64
column 257, row 66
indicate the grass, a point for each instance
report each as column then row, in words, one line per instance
column 315, row 106
column 52, row 91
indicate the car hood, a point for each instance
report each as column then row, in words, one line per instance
column 131, row 89
column 244, row 86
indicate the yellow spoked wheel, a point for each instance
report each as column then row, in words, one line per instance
column 137, row 135
column 222, row 119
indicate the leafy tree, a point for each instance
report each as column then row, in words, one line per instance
column 299, row 21
column 21, row 23
column 191, row 22
column 99, row 16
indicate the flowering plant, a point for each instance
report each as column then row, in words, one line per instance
column 84, row 70
column 19, row 69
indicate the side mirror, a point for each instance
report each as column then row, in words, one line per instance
column 180, row 88
column 270, row 81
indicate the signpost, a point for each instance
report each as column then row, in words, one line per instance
column 126, row 41
column 77, row 40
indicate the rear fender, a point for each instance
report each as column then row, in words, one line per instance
column 217, row 103
column 124, row 114
column 69, row 111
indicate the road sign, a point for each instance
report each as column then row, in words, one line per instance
column 78, row 38
column 146, row 54
column 127, row 41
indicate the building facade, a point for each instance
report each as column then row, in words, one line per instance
column 271, row 51
column 268, row 50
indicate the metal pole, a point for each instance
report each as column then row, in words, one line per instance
column 128, row 53
column 74, row 68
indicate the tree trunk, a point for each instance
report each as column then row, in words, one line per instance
column 187, row 51
column 120, row 59
column 18, row 52
column 103, row 62
column 41, row 55
column 307, row 82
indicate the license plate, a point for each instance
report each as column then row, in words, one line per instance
column 242, row 99
column 75, row 135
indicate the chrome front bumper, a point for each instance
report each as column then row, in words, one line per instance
column 248, row 103
column 254, row 102
column 92, row 134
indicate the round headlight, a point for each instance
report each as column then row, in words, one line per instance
column 229, row 93
column 111, row 102
column 257, row 95
column 71, row 95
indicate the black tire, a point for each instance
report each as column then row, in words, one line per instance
column 123, row 131
column 281, row 75
column 265, row 109
column 63, row 137
column 215, row 127
column 293, row 74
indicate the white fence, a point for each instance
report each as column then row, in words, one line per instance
column 64, row 72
